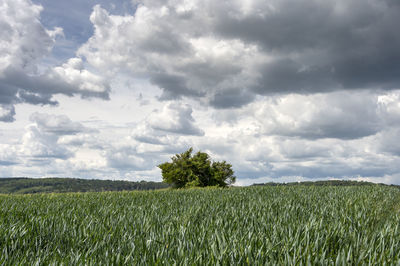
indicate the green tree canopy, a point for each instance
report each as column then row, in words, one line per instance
column 187, row 170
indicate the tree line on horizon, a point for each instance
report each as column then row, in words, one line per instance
column 25, row 185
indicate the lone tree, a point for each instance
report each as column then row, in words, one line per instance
column 187, row 170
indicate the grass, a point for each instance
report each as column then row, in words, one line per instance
column 254, row 225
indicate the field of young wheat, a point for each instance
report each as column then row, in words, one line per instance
column 254, row 225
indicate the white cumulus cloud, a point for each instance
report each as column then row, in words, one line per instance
column 24, row 42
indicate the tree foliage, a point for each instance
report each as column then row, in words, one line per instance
column 187, row 170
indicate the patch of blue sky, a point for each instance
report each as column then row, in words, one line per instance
column 73, row 17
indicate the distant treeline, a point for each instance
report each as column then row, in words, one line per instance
column 324, row 183
column 58, row 185
column 23, row 185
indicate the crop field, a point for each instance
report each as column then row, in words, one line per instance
column 237, row 226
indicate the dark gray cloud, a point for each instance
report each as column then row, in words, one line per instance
column 287, row 26
column 231, row 98
column 35, row 98
column 248, row 48
column 18, row 87
column 287, row 76
column 174, row 86
column 164, row 41
column 320, row 45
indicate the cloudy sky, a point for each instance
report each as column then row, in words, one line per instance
column 284, row 90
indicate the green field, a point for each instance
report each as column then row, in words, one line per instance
column 282, row 225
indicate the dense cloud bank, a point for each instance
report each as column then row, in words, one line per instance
column 226, row 53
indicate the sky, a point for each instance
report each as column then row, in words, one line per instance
column 283, row 90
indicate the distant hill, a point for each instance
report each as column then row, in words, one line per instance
column 24, row 185
column 324, row 183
